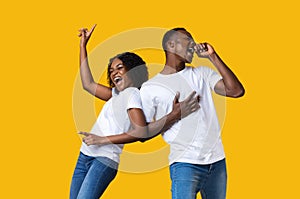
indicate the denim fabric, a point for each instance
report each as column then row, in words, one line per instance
column 189, row 179
column 92, row 176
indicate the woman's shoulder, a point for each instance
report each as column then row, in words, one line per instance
column 131, row 90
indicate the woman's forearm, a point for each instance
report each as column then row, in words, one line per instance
column 87, row 79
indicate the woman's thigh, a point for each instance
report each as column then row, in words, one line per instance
column 98, row 177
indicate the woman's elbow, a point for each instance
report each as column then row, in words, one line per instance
column 89, row 88
column 142, row 134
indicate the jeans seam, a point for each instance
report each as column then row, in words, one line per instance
column 175, row 186
column 203, row 194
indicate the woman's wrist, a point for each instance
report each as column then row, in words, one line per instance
column 102, row 140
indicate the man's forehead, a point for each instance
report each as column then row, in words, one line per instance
column 184, row 34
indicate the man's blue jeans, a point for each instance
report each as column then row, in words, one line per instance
column 189, row 179
column 92, row 176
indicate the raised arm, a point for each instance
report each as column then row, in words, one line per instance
column 229, row 85
column 87, row 80
column 140, row 131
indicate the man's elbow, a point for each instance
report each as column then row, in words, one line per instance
column 142, row 140
column 236, row 93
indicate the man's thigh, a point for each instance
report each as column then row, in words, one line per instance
column 215, row 185
column 186, row 180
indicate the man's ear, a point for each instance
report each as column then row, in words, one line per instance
column 171, row 45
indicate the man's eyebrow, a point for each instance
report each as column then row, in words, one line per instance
column 187, row 37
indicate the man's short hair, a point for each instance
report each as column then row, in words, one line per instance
column 168, row 35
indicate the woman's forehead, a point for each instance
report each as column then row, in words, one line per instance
column 116, row 62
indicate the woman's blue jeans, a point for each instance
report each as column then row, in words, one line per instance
column 92, row 176
column 189, row 179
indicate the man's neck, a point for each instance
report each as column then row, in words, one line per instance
column 172, row 66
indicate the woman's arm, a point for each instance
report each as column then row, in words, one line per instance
column 137, row 132
column 140, row 131
column 87, row 80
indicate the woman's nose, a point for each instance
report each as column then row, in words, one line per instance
column 114, row 72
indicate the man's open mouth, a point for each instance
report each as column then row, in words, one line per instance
column 191, row 50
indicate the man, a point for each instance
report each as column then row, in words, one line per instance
column 197, row 159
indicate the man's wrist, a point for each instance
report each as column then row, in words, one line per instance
column 173, row 117
column 212, row 57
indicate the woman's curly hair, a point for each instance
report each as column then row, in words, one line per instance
column 135, row 66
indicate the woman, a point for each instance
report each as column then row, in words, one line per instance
column 121, row 120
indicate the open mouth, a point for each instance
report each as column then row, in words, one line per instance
column 191, row 50
column 117, row 79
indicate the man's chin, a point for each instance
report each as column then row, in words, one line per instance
column 188, row 61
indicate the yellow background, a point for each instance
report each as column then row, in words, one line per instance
column 259, row 40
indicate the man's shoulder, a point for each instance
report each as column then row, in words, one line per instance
column 197, row 68
column 151, row 81
column 200, row 70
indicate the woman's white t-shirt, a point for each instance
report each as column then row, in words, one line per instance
column 113, row 120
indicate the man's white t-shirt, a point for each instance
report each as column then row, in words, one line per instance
column 113, row 120
column 196, row 138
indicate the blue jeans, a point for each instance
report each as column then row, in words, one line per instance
column 189, row 179
column 92, row 176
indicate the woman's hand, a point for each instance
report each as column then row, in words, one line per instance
column 85, row 35
column 92, row 139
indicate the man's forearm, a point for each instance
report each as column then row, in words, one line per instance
column 233, row 87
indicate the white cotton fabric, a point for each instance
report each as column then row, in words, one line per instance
column 113, row 120
column 195, row 139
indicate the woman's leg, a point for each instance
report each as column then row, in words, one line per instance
column 80, row 172
column 101, row 172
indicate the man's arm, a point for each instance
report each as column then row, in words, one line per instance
column 230, row 85
column 87, row 80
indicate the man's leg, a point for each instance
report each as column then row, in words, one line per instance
column 185, row 180
column 215, row 185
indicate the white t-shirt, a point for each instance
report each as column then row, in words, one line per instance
column 113, row 120
column 196, row 138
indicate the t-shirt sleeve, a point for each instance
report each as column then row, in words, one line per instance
column 210, row 76
column 134, row 100
column 147, row 102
